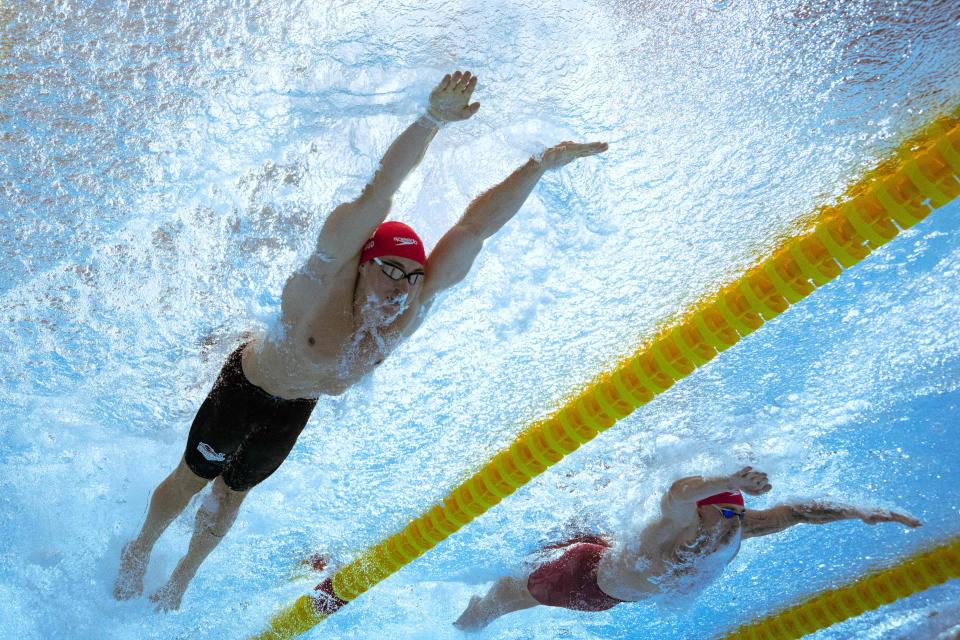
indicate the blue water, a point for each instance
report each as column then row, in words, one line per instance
column 163, row 168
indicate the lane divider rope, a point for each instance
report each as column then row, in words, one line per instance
column 912, row 575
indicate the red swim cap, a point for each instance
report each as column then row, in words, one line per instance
column 394, row 239
column 723, row 498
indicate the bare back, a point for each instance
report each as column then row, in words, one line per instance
column 670, row 556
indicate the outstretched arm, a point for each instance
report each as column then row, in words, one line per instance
column 350, row 224
column 767, row 521
column 451, row 259
column 685, row 492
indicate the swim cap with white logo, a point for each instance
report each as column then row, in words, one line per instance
column 394, row 239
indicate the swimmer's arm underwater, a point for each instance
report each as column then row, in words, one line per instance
column 687, row 491
column 455, row 253
column 758, row 523
column 349, row 226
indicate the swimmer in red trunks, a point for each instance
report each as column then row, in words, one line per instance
column 366, row 287
column 699, row 531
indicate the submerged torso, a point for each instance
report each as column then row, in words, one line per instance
column 321, row 344
column 667, row 560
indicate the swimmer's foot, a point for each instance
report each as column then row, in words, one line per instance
column 168, row 597
column 308, row 567
column 317, row 562
column 133, row 565
column 472, row 619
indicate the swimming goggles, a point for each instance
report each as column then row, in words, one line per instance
column 729, row 513
column 396, row 273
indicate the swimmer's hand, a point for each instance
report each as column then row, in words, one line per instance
column 566, row 152
column 750, row 481
column 873, row 516
column 450, row 100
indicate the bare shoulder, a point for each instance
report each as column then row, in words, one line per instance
column 451, row 259
column 349, row 225
column 677, row 503
column 311, row 284
column 670, row 525
column 325, row 260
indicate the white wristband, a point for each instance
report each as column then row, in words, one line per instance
column 429, row 117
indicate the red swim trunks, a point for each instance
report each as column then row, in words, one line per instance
column 570, row 581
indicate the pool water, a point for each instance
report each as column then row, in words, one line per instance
column 164, row 167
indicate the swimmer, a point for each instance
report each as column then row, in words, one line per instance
column 698, row 533
column 367, row 286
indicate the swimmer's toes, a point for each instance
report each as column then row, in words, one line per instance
column 167, row 598
column 468, row 619
column 126, row 589
column 129, row 582
column 122, row 590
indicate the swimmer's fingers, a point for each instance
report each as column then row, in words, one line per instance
column 461, row 82
column 450, row 100
column 568, row 151
column 913, row 523
column 904, row 519
column 753, row 482
column 467, row 84
column 583, row 150
column 756, row 488
column 742, row 473
column 448, row 83
column 882, row 515
column 593, row 148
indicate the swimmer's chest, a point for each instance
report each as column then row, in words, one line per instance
column 318, row 311
column 319, row 314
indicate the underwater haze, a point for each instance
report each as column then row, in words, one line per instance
column 164, row 167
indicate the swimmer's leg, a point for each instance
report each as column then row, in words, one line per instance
column 214, row 519
column 506, row 596
column 169, row 499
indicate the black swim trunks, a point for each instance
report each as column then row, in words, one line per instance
column 242, row 432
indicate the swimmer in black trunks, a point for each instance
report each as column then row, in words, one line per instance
column 367, row 285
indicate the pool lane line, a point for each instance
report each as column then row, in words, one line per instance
column 912, row 575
